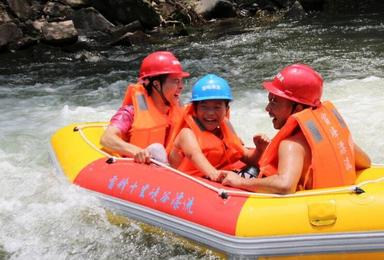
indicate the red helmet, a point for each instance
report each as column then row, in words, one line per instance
column 299, row 83
column 161, row 62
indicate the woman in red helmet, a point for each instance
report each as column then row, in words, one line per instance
column 313, row 148
column 150, row 109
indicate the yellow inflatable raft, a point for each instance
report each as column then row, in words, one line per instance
column 307, row 225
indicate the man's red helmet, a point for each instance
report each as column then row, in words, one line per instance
column 299, row 83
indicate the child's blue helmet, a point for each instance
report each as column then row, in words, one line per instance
column 211, row 87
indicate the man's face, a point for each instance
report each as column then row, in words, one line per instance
column 279, row 109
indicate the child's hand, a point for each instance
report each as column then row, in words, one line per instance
column 261, row 142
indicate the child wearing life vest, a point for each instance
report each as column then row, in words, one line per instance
column 313, row 148
column 150, row 110
column 206, row 143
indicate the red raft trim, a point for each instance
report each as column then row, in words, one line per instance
column 163, row 190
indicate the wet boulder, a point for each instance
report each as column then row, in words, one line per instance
column 132, row 38
column 4, row 16
column 295, row 11
column 211, row 9
column 9, row 33
column 250, row 7
column 89, row 20
column 119, row 31
column 127, row 11
column 21, row 8
column 57, row 11
column 75, row 3
column 284, row 3
column 24, row 10
column 312, row 5
column 58, row 33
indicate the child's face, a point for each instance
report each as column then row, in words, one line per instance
column 210, row 113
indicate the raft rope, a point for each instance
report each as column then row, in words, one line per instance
column 225, row 193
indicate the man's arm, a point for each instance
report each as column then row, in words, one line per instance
column 290, row 167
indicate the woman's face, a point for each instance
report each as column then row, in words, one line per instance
column 211, row 112
column 172, row 88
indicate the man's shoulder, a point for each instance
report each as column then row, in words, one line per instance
column 296, row 138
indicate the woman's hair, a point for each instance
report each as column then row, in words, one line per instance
column 149, row 86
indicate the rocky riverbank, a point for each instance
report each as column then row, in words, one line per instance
column 90, row 24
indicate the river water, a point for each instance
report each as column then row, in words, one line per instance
column 42, row 217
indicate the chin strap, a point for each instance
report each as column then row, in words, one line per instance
column 160, row 91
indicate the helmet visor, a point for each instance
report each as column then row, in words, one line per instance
column 272, row 88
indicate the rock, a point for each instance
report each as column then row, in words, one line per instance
column 29, row 30
column 268, row 5
column 127, row 11
column 117, row 32
column 131, row 38
column 146, row 14
column 89, row 20
column 211, row 9
column 22, row 43
column 9, row 33
column 296, row 11
column 284, row 3
column 38, row 24
column 4, row 16
column 36, row 11
column 54, row 10
column 88, row 56
column 178, row 13
column 247, row 8
column 60, row 32
column 312, row 5
column 21, row 8
column 75, row 3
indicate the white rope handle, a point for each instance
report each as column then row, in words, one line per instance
column 224, row 193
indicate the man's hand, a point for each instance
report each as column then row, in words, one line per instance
column 232, row 179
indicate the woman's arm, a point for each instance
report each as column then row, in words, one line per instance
column 112, row 141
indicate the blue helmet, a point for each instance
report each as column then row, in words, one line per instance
column 211, row 87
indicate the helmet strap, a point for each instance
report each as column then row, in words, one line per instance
column 160, row 91
column 145, row 82
column 294, row 106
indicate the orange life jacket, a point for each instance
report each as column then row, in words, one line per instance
column 149, row 124
column 219, row 152
column 333, row 160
